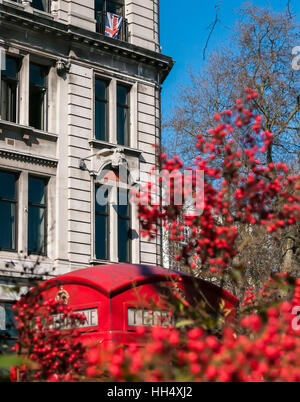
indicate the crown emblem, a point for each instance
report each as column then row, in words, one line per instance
column 62, row 295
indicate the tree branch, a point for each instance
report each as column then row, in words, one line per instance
column 293, row 113
column 212, row 25
column 288, row 8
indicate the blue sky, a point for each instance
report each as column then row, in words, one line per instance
column 184, row 31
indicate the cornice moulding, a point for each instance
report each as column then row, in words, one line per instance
column 28, row 158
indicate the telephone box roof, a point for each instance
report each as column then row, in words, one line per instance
column 114, row 279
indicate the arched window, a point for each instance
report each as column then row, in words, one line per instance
column 112, row 223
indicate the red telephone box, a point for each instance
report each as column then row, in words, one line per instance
column 116, row 299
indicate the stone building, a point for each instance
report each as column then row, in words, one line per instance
column 75, row 101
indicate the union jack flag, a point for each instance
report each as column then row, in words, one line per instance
column 113, row 25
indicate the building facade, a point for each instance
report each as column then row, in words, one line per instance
column 80, row 95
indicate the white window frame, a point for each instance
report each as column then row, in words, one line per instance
column 112, row 109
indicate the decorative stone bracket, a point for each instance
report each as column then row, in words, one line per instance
column 114, row 157
column 62, row 67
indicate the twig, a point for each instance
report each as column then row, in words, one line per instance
column 212, row 25
column 288, row 8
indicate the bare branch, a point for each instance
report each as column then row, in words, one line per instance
column 288, row 9
column 293, row 113
column 212, row 27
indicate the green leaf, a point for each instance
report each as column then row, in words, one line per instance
column 7, row 361
column 184, row 323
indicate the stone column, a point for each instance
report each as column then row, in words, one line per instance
column 54, row 8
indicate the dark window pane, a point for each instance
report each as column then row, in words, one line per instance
column 114, row 8
column 8, row 101
column 122, row 95
column 9, row 85
column 37, row 96
column 100, row 89
column 122, row 115
column 100, row 110
column 122, row 125
column 36, row 190
column 8, row 185
column 38, row 75
column 123, row 203
column 101, row 199
column 36, row 230
column 101, row 224
column 109, row 6
column 7, row 321
column 8, row 225
column 37, row 109
column 99, row 5
column 123, row 226
column 123, row 240
column 11, row 68
column 8, row 327
column 100, row 121
column 40, row 5
column 101, row 237
column 10, row 321
column 37, row 214
column 8, row 210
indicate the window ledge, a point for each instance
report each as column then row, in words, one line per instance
column 32, row 10
column 27, row 130
column 127, row 150
column 43, row 14
column 16, row 266
column 13, row 4
column 94, row 261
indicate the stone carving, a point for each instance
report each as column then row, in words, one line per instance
column 118, row 157
column 115, row 157
column 62, row 67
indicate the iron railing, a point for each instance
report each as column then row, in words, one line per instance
column 101, row 24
